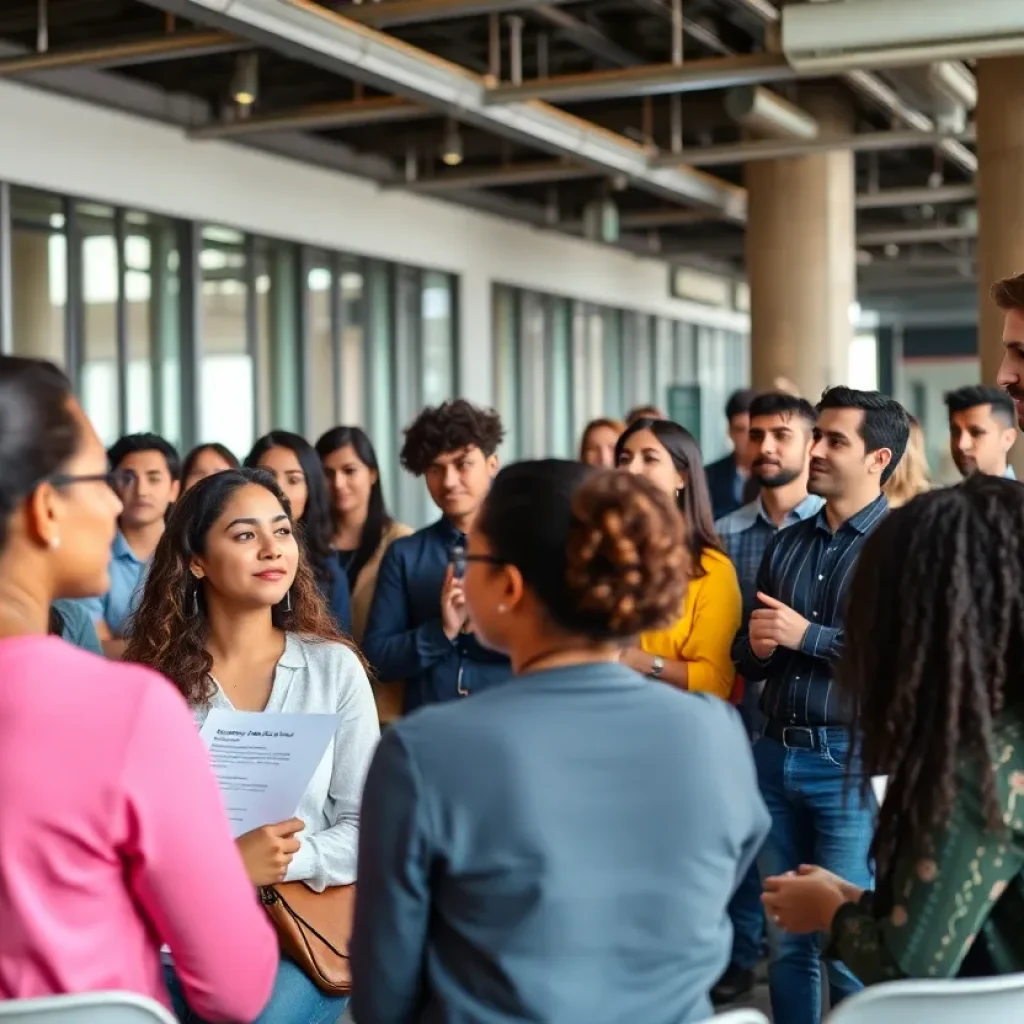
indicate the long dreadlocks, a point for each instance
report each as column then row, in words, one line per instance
column 934, row 651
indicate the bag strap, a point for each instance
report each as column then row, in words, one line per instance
column 306, row 925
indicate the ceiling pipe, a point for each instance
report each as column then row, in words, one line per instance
column 650, row 80
column 766, row 115
column 149, row 50
column 746, row 152
column 874, row 90
column 912, row 236
column 842, row 36
column 307, row 31
column 891, row 197
column 341, row 114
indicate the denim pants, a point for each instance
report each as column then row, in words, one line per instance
column 817, row 818
column 294, row 1000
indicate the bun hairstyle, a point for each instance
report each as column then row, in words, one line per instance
column 603, row 551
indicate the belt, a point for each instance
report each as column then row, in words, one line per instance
column 800, row 737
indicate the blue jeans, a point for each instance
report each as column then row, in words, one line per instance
column 294, row 1000
column 817, row 818
column 747, row 916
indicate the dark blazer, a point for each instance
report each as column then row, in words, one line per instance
column 721, row 476
column 560, row 849
column 404, row 638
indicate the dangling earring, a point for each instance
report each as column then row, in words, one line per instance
column 195, row 600
column 288, row 602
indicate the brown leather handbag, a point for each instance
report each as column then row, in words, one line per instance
column 313, row 930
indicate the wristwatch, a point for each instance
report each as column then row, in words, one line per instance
column 657, row 667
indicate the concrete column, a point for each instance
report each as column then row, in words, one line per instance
column 38, row 325
column 1000, row 133
column 801, row 262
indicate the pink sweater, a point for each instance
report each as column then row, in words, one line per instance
column 113, row 841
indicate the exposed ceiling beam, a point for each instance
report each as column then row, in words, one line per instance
column 649, row 80
column 340, row 114
column 305, row 31
column 889, row 197
column 516, row 174
column 414, row 12
column 859, row 142
column 586, row 37
column 149, row 50
column 916, row 261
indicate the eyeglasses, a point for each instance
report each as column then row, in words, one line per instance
column 117, row 481
column 461, row 558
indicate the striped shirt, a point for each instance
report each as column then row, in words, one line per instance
column 808, row 568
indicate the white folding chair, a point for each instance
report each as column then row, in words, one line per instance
column 747, row 1015
column 86, row 1008
column 978, row 1000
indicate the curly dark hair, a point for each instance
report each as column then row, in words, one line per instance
column 170, row 628
column 603, row 551
column 934, row 651
column 450, row 427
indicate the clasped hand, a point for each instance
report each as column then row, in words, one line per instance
column 775, row 625
column 806, row 900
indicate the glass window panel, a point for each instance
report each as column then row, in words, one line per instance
column 352, row 367
column 614, row 400
column 278, row 344
column 319, row 276
column 383, row 427
column 166, row 317
column 227, row 411
column 408, row 375
column 595, row 366
column 507, row 380
column 38, row 275
column 559, row 349
column 531, row 369
column 581, row 370
column 99, row 367
column 664, row 361
column 438, row 338
column 138, row 287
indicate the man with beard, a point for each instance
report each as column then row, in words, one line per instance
column 803, row 758
column 777, row 449
column 981, row 430
column 1008, row 295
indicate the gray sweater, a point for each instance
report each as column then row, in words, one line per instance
column 559, row 849
column 325, row 678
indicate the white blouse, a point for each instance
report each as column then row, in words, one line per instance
column 324, row 678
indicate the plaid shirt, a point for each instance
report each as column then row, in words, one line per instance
column 746, row 534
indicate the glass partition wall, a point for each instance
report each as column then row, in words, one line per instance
column 202, row 332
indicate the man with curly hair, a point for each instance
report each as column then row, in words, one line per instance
column 418, row 628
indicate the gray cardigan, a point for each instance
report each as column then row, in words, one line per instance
column 561, row 848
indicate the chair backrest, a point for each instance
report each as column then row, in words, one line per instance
column 979, row 1001
column 87, row 1008
column 748, row 1015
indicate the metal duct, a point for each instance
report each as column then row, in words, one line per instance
column 766, row 115
column 306, row 31
column 848, row 34
column 745, row 152
column 873, row 89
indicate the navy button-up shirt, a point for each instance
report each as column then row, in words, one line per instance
column 808, row 568
column 404, row 638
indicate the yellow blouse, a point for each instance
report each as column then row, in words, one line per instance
column 703, row 635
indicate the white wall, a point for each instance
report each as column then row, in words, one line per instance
column 64, row 145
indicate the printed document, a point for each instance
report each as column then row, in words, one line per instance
column 264, row 761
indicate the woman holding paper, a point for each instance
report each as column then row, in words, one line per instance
column 232, row 614
column 104, row 785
